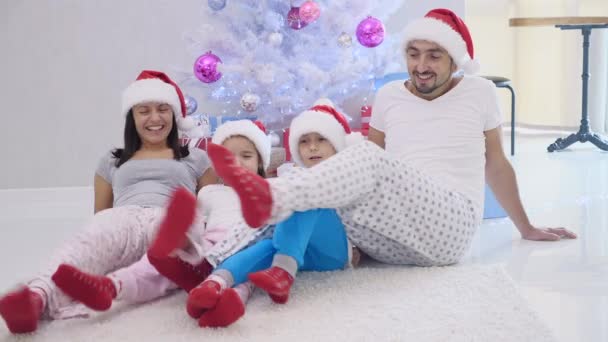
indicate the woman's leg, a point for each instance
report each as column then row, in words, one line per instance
column 114, row 239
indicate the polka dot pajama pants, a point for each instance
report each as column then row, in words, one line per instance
column 392, row 212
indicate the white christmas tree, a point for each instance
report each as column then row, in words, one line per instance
column 279, row 56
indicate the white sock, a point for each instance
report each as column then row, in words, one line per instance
column 244, row 291
column 286, row 263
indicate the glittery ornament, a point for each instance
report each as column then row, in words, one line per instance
column 275, row 139
column 275, row 39
column 191, row 104
column 205, row 68
column 250, row 102
column 370, row 32
column 216, row 5
column 293, row 19
column 309, row 11
column 345, row 40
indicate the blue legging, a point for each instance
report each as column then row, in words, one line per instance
column 315, row 239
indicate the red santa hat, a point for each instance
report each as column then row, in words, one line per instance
column 445, row 28
column 323, row 119
column 252, row 130
column 155, row 86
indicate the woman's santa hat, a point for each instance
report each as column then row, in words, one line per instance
column 445, row 28
column 323, row 119
column 252, row 130
column 155, row 86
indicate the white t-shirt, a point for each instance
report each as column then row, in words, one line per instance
column 443, row 138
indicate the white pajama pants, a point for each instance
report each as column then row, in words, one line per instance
column 392, row 212
column 115, row 238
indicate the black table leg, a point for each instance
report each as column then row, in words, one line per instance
column 584, row 134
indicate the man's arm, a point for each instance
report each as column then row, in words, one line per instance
column 501, row 179
column 376, row 136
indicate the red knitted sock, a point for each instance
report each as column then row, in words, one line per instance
column 228, row 310
column 21, row 310
column 276, row 281
column 96, row 292
column 180, row 272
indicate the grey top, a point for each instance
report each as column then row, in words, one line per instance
column 150, row 182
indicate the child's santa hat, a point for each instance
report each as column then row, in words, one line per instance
column 445, row 28
column 157, row 87
column 252, row 130
column 323, row 119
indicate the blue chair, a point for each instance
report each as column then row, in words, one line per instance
column 491, row 207
column 379, row 82
column 501, row 82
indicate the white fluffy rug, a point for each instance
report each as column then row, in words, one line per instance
column 460, row 303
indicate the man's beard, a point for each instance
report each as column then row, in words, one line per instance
column 429, row 89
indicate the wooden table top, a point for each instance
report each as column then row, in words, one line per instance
column 552, row 21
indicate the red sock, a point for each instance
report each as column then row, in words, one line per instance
column 96, row 292
column 276, row 281
column 178, row 219
column 180, row 272
column 21, row 310
column 281, row 299
column 193, row 310
column 253, row 190
column 204, row 296
column 228, row 310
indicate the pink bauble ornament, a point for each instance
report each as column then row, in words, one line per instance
column 294, row 20
column 205, row 68
column 370, row 32
column 309, row 11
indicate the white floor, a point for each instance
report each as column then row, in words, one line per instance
column 566, row 282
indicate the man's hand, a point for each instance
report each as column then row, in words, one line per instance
column 546, row 234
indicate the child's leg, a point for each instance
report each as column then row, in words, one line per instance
column 291, row 238
column 141, row 282
column 188, row 267
column 233, row 271
column 328, row 249
column 314, row 238
column 183, row 274
column 179, row 217
column 230, row 307
column 251, row 259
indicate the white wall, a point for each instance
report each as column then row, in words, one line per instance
column 64, row 64
column 544, row 63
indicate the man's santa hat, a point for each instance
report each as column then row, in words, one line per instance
column 445, row 28
column 252, row 130
column 323, row 119
column 155, row 86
